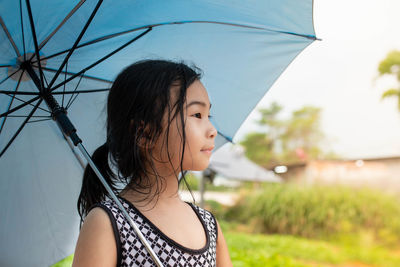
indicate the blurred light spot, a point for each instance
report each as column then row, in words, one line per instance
column 280, row 169
column 359, row 163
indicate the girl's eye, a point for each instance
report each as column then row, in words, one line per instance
column 198, row 115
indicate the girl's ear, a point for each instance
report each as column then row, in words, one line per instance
column 144, row 141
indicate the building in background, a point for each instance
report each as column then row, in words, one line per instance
column 380, row 173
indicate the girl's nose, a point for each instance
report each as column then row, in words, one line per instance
column 212, row 131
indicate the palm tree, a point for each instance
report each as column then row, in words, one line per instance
column 391, row 65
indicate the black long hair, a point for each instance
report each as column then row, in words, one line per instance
column 137, row 101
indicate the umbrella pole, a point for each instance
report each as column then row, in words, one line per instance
column 71, row 145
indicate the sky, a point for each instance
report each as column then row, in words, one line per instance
column 340, row 75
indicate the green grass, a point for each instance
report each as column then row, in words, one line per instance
column 280, row 250
column 67, row 262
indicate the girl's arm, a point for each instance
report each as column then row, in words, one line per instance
column 223, row 258
column 96, row 244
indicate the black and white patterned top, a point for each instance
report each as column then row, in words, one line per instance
column 131, row 252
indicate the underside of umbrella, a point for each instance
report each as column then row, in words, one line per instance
column 57, row 61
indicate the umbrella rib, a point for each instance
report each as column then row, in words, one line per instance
column 42, row 44
column 5, row 66
column 39, row 120
column 65, row 77
column 35, row 42
column 226, row 137
column 75, row 44
column 100, row 60
column 82, row 91
column 45, row 80
column 235, row 25
column 104, row 38
column 3, row 25
column 17, row 93
column 11, row 94
column 70, row 104
column 20, row 128
column 11, row 102
column 72, row 95
column 22, row 116
column 22, row 28
column 19, row 107
column 72, row 73
column 9, row 76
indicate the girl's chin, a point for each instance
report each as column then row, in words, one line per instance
column 200, row 167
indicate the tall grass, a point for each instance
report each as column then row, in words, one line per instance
column 319, row 211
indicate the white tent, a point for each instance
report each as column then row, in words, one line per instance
column 230, row 162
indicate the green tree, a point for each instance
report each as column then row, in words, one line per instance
column 293, row 140
column 259, row 148
column 302, row 136
column 391, row 66
column 263, row 147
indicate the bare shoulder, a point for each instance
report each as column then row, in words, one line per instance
column 223, row 258
column 96, row 244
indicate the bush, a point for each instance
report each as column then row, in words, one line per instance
column 318, row 211
column 217, row 209
column 192, row 181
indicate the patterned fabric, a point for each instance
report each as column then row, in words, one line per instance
column 131, row 252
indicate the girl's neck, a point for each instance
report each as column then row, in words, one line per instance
column 167, row 193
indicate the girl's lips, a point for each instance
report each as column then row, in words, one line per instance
column 208, row 150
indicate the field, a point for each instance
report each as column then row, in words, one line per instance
column 279, row 250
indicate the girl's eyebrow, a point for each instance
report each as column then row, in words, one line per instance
column 196, row 102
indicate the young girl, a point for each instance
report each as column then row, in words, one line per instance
column 157, row 128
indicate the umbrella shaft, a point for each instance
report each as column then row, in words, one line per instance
column 28, row 67
column 58, row 113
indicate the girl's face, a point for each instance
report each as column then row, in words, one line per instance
column 200, row 133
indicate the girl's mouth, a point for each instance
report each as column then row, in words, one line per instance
column 208, row 151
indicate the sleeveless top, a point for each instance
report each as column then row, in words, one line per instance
column 131, row 252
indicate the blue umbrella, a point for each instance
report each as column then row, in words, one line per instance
column 57, row 61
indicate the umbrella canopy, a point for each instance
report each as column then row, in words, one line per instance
column 69, row 52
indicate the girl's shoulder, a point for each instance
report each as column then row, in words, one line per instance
column 205, row 215
column 96, row 237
